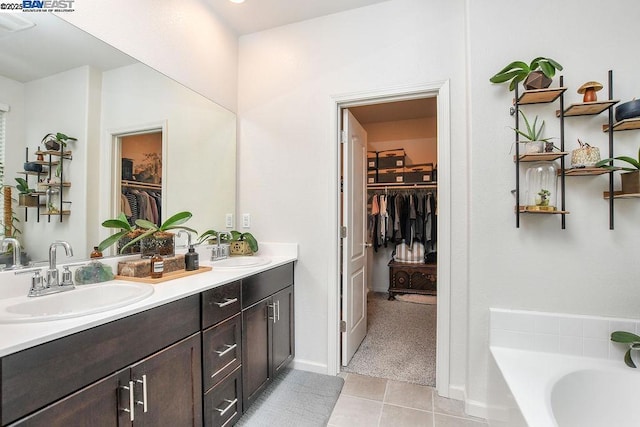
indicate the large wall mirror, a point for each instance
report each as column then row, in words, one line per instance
column 57, row 78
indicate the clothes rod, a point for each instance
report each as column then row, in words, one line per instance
column 134, row 184
column 432, row 186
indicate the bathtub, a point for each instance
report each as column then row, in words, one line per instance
column 563, row 390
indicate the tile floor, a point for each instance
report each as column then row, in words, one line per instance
column 378, row 402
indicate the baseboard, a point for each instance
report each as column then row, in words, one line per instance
column 471, row 407
column 307, row 365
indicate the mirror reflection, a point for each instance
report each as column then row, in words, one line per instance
column 55, row 78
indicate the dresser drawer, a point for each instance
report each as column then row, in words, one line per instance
column 223, row 403
column 222, row 350
column 220, row 303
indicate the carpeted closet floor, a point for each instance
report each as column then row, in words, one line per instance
column 400, row 342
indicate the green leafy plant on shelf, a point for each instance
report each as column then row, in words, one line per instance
column 56, row 141
column 518, row 71
column 634, row 163
column 632, row 340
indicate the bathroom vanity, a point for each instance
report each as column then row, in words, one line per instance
column 198, row 352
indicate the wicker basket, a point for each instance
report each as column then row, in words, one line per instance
column 240, row 247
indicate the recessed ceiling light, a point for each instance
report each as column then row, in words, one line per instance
column 10, row 23
column 237, row 1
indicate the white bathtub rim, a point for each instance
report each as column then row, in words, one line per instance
column 531, row 375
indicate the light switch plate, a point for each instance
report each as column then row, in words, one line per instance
column 228, row 220
column 246, row 220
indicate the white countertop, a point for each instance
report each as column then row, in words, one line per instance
column 20, row 336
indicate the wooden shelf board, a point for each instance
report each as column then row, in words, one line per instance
column 54, row 213
column 54, row 184
column 621, row 195
column 523, row 209
column 165, row 277
column 590, row 171
column 537, row 157
column 587, row 108
column 33, row 173
column 66, row 154
column 540, row 96
column 627, row 124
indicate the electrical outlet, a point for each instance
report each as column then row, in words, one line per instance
column 228, row 220
column 246, row 220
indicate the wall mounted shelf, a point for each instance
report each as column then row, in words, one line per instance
column 585, row 171
column 627, row 124
column 587, row 108
column 524, row 209
column 541, row 157
column 540, row 96
column 621, row 195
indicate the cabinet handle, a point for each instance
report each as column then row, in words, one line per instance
column 231, row 405
column 229, row 348
column 144, row 393
column 278, row 306
column 227, row 301
column 223, row 368
column 131, row 409
column 229, row 420
column 273, row 307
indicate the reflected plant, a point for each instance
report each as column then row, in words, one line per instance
column 627, row 338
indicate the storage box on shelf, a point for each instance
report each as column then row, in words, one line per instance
column 372, row 160
column 391, row 176
column 391, row 159
column 418, row 173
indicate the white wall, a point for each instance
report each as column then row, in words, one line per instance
column 181, row 38
column 586, row 268
column 287, row 77
column 12, row 94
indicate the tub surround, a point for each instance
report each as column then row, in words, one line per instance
column 16, row 337
column 533, row 351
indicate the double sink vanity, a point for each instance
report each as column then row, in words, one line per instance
column 192, row 351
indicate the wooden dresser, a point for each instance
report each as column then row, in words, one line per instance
column 406, row 278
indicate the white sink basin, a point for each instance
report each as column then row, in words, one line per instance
column 240, row 262
column 85, row 299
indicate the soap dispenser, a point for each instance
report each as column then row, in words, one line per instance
column 191, row 259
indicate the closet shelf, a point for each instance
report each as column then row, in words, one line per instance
column 135, row 184
column 405, row 186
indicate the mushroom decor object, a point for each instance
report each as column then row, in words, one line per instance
column 589, row 90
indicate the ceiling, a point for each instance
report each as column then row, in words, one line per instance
column 396, row 111
column 257, row 15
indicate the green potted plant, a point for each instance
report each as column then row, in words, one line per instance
column 54, row 141
column 631, row 179
column 534, row 143
column 536, row 75
column 240, row 243
column 627, row 338
column 126, row 234
column 25, row 194
column 158, row 239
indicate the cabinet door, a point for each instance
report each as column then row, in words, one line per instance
column 172, row 380
column 223, row 403
column 99, row 405
column 256, row 327
column 283, row 347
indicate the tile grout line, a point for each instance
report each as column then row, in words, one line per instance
column 384, row 397
column 433, row 409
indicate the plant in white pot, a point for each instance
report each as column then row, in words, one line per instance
column 631, row 179
column 534, row 143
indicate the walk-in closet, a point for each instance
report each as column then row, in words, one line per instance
column 401, row 255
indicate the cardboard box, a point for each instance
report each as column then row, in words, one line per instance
column 372, row 160
column 419, row 173
column 391, row 176
column 389, row 159
column 372, row 176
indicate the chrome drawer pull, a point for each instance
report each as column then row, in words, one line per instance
column 273, row 307
column 227, row 301
column 231, row 405
column 230, row 418
column 224, row 367
column 144, row 393
column 229, row 348
column 131, row 410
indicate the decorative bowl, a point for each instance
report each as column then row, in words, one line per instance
column 628, row 110
column 32, row 167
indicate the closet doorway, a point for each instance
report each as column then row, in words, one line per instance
column 389, row 195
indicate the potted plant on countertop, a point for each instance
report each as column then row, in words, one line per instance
column 158, row 239
column 240, row 243
column 533, row 135
column 536, row 75
column 631, row 179
column 126, row 234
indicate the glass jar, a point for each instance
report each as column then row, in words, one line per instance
column 541, row 183
column 54, row 201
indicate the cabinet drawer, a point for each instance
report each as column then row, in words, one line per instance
column 223, row 403
column 262, row 285
column 222, row 350
column 220, row 303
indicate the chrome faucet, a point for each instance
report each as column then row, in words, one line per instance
column 16, row 251
column 52, row 282
column 219, row 252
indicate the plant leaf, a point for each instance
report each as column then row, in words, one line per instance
column 235, row 235
column 624, row 337
column 515, row 65
column 117, row 223
column 111, row 240
column 207, row 235
column 148, row 225
column 180, row 227
column 253, row 243
column 140, row 237
column 547, row 69
column 516, row 80
column 501, row 78
column 628, row 360
column 630, row 160
column 555, row 64
column 177, row 219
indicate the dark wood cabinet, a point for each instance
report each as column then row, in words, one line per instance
column 407, row 278
column 163, row 389
column 223, row 403
column 267, row 329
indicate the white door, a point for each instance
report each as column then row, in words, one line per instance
column 354, row 252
